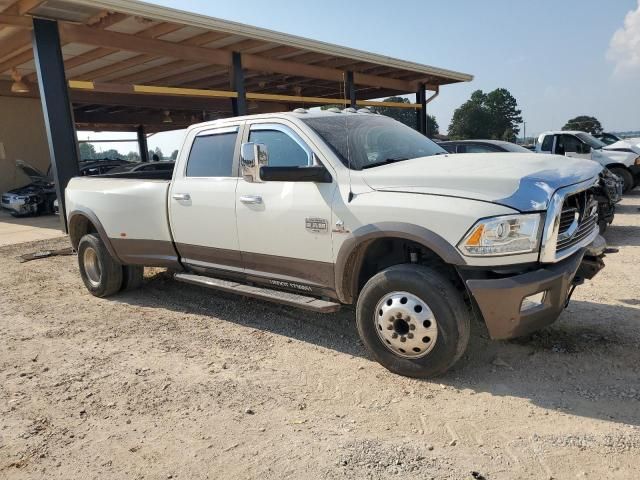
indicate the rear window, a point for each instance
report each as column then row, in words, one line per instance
column 212, row 155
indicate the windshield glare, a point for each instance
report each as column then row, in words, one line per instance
column 372, row 139
column 590, row 140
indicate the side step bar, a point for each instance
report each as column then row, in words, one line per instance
column 286, row 298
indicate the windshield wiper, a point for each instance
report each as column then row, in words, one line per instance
column 384, row 162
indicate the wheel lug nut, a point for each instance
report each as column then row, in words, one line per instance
column 412, row 327
column 403, row 339
column 410, row 335
column 389, row 327
column 398, row 315
column 394, row 335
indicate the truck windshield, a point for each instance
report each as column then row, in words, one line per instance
column 590, row 140
column 365, row 141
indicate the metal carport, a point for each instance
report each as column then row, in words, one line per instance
column 127, row 65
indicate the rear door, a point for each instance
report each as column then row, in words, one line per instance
column 202, row 201
column 284, row 227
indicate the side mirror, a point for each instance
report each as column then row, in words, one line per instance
column 253, row 156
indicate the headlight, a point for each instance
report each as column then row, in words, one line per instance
column 506, row 235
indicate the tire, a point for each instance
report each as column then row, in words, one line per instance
column 101, row 274
column 448, row 327
column 625, row 175
column 132, row 276
column 602, row 226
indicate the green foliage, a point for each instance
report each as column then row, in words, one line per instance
column 407, row 115
column 174, row 155
column 494, row 115
column 87, row 151
column 157, row 152
column 584, row 123
column 133, row 157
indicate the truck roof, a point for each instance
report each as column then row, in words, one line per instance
column 295, row 114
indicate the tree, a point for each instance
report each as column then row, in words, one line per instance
column 406, row 115
column 470, row 120
column 133, row 156
column 174, row 155
column 111, row 154
column 505, row 115
column 584, row 123
column 87, row 151
column 493, row 115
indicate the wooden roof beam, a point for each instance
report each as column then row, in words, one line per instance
column 15, row 21
column 104, row 72
column 86, row 35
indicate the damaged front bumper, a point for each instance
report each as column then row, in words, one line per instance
column 520, row 304
column 18, row 206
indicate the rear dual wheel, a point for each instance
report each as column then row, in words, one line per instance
column 101, row 273
column 413, row 320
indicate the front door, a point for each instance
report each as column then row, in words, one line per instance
column 202, row 202
column 284, row 228
column 574, row 147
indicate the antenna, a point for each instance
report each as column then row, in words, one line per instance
column 346, row 127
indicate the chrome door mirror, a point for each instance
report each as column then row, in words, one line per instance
column 253, row 156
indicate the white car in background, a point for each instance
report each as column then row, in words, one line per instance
column 622, row 158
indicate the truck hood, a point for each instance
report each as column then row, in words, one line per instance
column 32, row 172
column 625, row 145
column 521, row 181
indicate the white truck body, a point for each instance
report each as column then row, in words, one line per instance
column 369, row 211
column 622, row 158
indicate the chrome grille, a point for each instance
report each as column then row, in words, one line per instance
column 578, row 220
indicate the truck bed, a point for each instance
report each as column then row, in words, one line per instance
column 128, row 208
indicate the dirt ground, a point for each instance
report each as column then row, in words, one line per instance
column 174, row 381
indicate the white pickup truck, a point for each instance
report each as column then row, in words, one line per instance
column 621, row 158
column 323, row 209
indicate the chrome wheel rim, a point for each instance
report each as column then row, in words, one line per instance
column 405, row 324
column 92, row 266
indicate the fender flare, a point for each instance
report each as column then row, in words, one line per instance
column 351, row 252
column 91, row 217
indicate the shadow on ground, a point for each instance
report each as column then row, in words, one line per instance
column 586, row 364
column 622, row 235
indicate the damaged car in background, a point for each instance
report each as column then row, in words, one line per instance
column 39, row 196
column 35, row 198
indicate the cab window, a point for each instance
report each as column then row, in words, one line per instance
column 547, row 143
column 212, row 155
column 283, row 150
column 570, row 143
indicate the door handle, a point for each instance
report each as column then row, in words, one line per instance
column 181, row 196
column 251, row 199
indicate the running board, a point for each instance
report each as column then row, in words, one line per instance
column 286, row 298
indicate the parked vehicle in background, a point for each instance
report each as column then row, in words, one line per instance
column 607, row 138
column 609, row 193
column 39, row 196
column 481, row 146
column 33, row 199
column 321, row 209
column 623, row 163
column 144, row 167
column 98, row 167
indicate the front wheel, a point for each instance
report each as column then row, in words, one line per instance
column 413, row 320
column 625, row 175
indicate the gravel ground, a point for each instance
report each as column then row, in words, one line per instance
column 174, row 381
